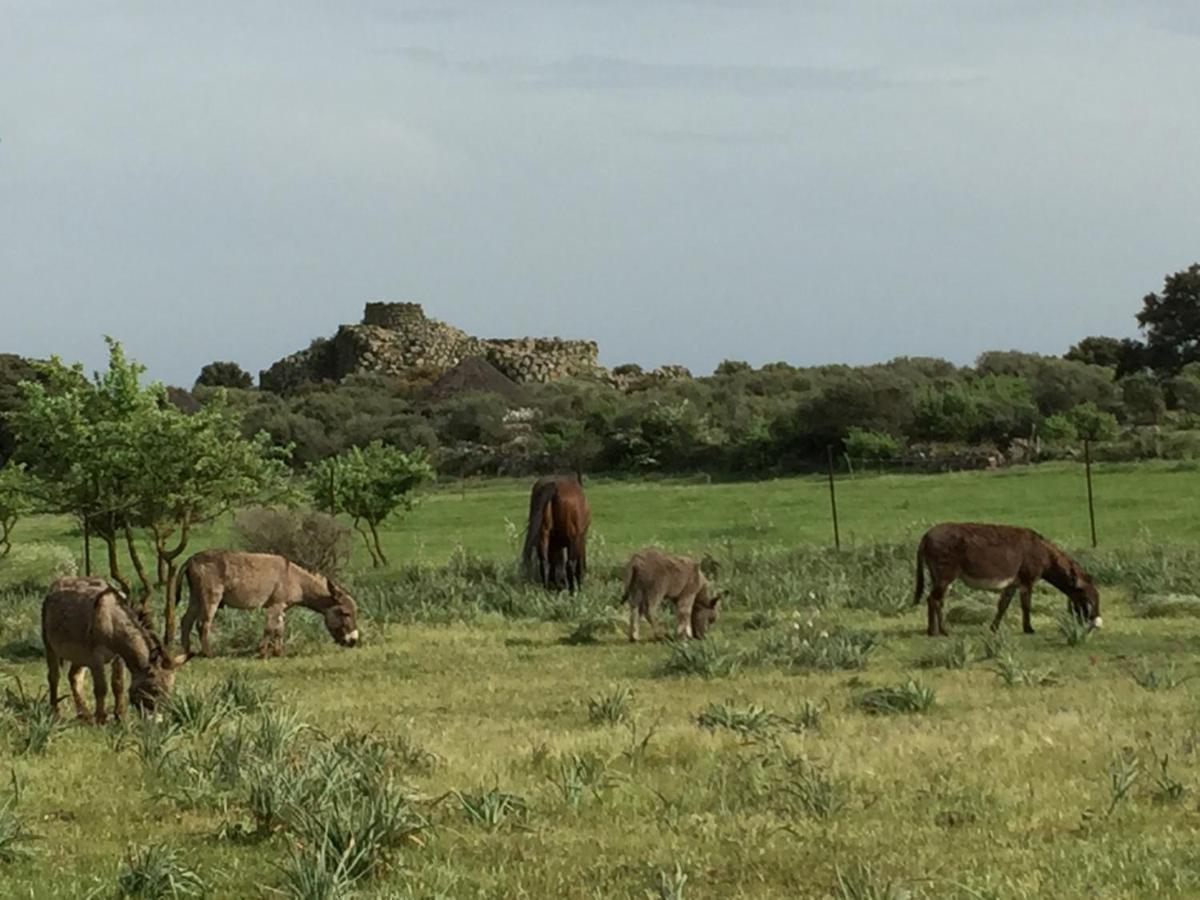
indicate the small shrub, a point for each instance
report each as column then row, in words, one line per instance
column 955, row 655
column 610, row 709
column 13, row 835
column 591, row 626
column 761, row 620
column 493, row 809
column 308, row 875
column 154, row 741
column 1167, row 788
column 750, row 722
column 197, row 713
column 909, row 697
column 318, row 542
column 994, row 645
column 1123, row 773
column 809, row 647
column 576, row 776
column 1013, row 673
column 969, row 614
column 1073, row 631
column 1159, row 679
column 157, row 872
column 707, row 658
column 356, row 831
column 242, row 695
column 812, row 791
column 861, row 883
column 670, row 884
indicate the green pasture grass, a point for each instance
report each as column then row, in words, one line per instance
column 604, row 769
column 1148, row 502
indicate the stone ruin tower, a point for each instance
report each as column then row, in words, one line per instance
column 396, row 337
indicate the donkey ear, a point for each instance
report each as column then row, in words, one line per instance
column 174, row 662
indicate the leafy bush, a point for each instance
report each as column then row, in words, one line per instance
column 310, row 539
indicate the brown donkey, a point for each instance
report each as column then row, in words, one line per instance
column 86, row 623
column 556, row 533
column 1001, row 558
column 239, row 580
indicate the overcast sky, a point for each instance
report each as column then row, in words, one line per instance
column 680, row 181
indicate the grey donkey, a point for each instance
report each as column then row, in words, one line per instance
column 651, row 576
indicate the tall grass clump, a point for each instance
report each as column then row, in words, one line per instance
column 908, row 697
column 808, row 646
column 707, row 659
column 240, row 694
column 1153, row 679
column 13, row 834
column 492, row 808
column 1014, row 673
column 612, row 708
column 956, row 654
column 158, row 872
column 1073, row 631
column 860, row 882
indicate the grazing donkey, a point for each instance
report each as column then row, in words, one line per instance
column 1000, row 558
column 86, row 622
column 559, row 518
column 241, row 580
column 652, row 575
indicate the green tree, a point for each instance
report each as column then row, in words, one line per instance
column 370, row 484
column 1093, row 423
column 1184, row 389
column 224, row 374
column 124, row 460
column 1058, row 429
column 861, row 443
column 1142, row 398
column 16, row 500
column 1122, row 354
column 1171, row 321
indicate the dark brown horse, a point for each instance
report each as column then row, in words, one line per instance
column 556, row 534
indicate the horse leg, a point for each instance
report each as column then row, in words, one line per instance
column 572, row 573
column 100, row 691
column 74, row 675
column 118, row 688
column 1026, row 608
column 1002, row 607
column 53, row 672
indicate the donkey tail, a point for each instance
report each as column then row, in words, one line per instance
column 180, row 577
column 920, row 575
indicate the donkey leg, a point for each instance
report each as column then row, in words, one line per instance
column 683, row 616
column 1002, row 607
column 272, row 639
column 74, row 676
column 100, row 691
column 634, row 615
column 118, row 688
column 207, row 614
column 1026, row 608
column 937, row 623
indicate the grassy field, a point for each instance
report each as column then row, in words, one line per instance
column 491, row 740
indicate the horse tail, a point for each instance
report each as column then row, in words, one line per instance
column 920, row 574
column 533, row 529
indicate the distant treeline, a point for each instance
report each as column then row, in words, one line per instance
column 1133, row 398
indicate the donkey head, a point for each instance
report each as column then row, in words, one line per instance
column 704, row 613
column 1084, row 598
column 153, row 685
column 341, row 616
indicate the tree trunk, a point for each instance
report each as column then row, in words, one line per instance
column 375, row 563
column 167, row 563
column 114, row 562
column 378, row 548
column 138, row 566
column 6, row 527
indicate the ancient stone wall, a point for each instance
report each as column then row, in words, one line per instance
column 395, row 337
